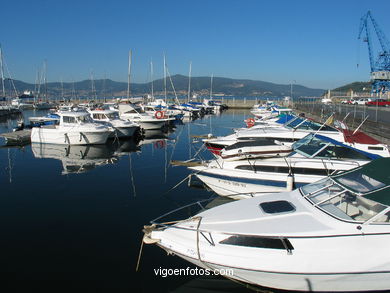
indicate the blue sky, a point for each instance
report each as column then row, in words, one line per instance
column 313, row 43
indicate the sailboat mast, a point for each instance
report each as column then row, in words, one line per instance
column 151, row 77
column 128, row 75
column 62, row 89
column 165, row 79
column 211, row 87
column 2, row 71
column 45, row 79
column 93, row 87
column 189, row 82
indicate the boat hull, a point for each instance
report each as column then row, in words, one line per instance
column 125, row 131
column 146, row 125
column 351, row 282
column 66, row 136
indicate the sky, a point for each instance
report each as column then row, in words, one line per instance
column 308, row 42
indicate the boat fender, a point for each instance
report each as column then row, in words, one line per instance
column 290, row 182
column 159, row 114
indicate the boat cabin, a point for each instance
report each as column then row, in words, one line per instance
column 360, row 195
column 104, row 115
column 71, row 118
column 319, row 146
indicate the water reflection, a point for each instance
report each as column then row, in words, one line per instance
column 156, row 137
column 211, row 284
column 83, row 158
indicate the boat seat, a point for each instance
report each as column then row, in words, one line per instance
column 331, row 208
column 349, row 209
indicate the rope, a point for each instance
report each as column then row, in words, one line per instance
column 139, row 254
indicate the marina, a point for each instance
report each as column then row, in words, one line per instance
column 195, row 146
column 92, row 205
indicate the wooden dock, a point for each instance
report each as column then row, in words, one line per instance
column 20, row 137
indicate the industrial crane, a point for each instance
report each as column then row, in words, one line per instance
column 380, row 68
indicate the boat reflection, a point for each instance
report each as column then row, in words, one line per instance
column 77, row 159
column 157, row 138
column 212, row 284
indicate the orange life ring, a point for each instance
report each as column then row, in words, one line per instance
column 159, row 114
column 250, row 122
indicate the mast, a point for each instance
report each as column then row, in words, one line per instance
column 189, row 83
column 151, row 77
column 104, row 87
column 165, row 79
column 93, row 87
column 36, row 86
column 62, row 89
column 211, row 87
column 128, row 75
column 45, row 80
column 2, row 71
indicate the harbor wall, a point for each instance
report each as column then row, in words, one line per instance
column 376, row 120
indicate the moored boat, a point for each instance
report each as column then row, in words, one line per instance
column 123, row 128
column 313, row 158
column 328, row 236
column 75, row 128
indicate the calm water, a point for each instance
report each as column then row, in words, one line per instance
column 71, row 218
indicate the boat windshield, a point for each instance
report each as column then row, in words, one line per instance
column 313, row 146
column 112, row 116
column 346, row 204
column 84, row 119
column 304, row 124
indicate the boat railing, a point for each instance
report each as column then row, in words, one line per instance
column 201, row 206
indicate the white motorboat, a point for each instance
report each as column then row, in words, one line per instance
column 74, row 128
column 146, row 121
column 313, row 158
column 269, row 111
column 329, row 236
column 123, row 128
column 20, row 104
column 296, row 129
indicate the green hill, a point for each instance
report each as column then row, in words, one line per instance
column 199, row 85
column 358, row 86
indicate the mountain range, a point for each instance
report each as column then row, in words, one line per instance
column 199, row 85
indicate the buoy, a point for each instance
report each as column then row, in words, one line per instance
column 250, row 122
column 159, row 114
column 290, row 182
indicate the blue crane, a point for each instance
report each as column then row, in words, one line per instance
column 380, row 68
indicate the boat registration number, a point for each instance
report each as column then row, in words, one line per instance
column 232, row 183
